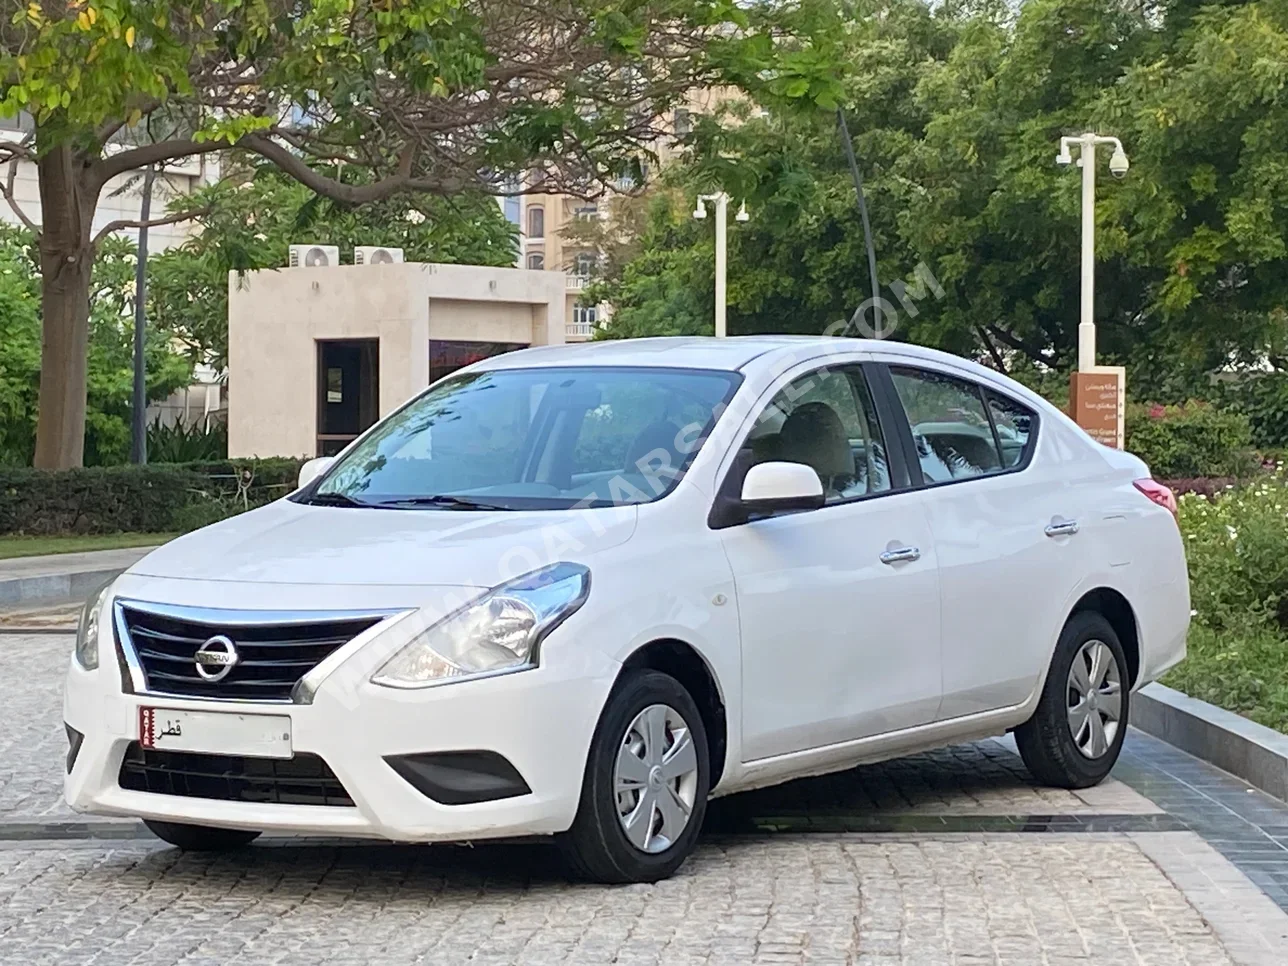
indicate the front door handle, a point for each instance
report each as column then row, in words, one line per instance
column 1064, row 528
column 900, row 554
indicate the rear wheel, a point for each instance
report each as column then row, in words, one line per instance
column 200, row 838
column 645, row 790
column 1077, row 731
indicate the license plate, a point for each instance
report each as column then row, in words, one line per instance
column 216, row 732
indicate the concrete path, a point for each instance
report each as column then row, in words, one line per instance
column 61, row 577
column 68, row 563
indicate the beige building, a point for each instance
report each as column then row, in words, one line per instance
column 316, row 355
column 543, row 220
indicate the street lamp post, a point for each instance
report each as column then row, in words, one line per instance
column 1118, row 164
column 721, row 201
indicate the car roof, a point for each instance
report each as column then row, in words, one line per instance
column 685, row 352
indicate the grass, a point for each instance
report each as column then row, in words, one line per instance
column 21, row 546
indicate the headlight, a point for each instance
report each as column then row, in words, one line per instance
column 499, row 631
column 87, row 633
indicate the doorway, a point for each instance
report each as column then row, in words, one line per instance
column 348, row 388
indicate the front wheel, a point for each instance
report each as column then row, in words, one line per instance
column 1077, row 731
column 200, row 838
column 645, row 790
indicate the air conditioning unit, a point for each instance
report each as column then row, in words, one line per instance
column 314, row 256
column 376, row 255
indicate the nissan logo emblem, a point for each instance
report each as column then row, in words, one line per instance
column 216, row 658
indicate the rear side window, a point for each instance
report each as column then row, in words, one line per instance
column 956, row 435
column 1015, row 425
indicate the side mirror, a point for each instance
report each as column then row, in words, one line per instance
column 773, row 487
column 314, row 468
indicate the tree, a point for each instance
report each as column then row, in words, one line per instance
column 109, row 363
column 248, row 223
column 957, row 112
column 433, row 96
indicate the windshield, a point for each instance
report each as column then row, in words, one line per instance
column 514, row 439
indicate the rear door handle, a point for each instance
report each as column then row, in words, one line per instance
column 900, row 554
column 1065, row 528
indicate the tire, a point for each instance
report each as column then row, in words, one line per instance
column 200, row 838
column 597, row 846
column 1047, row 741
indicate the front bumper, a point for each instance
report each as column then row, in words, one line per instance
column 541, row 721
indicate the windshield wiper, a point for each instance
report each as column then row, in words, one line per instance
column 444, row 500
column 334, row 499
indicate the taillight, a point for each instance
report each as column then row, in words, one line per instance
column 1160, row 494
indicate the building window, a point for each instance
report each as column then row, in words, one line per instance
column 537, row 261
column 512, row 207
column 682, row 123
column 585, row 314
column 536, row 222
column 583, row 264
column 586, row 212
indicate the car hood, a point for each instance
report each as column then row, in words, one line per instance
column 292, row 543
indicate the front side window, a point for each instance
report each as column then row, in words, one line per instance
column 550, row 438
column 536, row 222
column 950, row 427
column 825, row 419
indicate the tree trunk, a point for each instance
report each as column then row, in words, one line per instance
column 67, row 202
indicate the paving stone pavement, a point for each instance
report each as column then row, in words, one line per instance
column 1115, row 890
column 798, row 899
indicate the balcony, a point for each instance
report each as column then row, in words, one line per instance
column 576, row 283
column 579, row 331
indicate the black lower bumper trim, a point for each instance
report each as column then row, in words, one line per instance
column 74, row 740
column 460, row 777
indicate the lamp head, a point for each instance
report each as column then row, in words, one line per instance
column 701, row 210
column 1064, row 157
column 742, row 213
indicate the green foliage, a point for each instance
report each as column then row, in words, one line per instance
column 1237, row 548
column 111, row 352
column 1195, row 439
column 1264, row 400
column 156, row 498
column 249, row 224
column 179, row 443
column 957, row 111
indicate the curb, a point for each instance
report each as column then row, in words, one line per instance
column 1253, row 752
column 64, row 588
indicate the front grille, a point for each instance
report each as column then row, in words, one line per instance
column 303, row 780
column 271, row 657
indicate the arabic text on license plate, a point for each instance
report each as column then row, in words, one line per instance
column 216, row 732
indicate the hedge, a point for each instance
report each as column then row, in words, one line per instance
column 157, row 498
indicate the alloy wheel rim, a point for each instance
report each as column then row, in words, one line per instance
column 655, row 780
column 1095, row 699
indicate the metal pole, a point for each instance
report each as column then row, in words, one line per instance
column 863, row 209
column 1087, row 322
column 139, row 435
column 722, row 253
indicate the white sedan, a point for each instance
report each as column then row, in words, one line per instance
column 577, row 591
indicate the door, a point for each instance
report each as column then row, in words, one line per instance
column 348, row 388
column 1005, row 533
column 839, row 606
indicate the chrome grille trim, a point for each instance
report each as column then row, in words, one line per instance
column 314, row 671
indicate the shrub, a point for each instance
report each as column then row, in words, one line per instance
column 156, row 498
column 1237, row 548
column 177, row 443
column 1263, row 399
column 1195, row 439
column 1236, row 544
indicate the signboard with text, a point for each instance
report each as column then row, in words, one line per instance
column 1097, row 401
